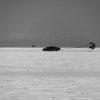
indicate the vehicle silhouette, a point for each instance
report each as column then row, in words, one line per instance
column 51, row 48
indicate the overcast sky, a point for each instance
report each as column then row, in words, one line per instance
column 44, row 18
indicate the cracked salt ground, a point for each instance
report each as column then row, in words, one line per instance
column 37, row 75
column 53, row 88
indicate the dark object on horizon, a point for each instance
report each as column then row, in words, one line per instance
column 33, row 46
column 92, row 45
column 51, row 48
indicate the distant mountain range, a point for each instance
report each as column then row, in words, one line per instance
column 47, row 41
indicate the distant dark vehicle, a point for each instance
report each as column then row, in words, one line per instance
column 33, row 46
column 51, row 48
column 92, row 45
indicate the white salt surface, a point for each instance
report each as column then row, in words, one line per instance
column 52, row 88
column 32, row 74
column 34, row 59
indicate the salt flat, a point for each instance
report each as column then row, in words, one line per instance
column 52, row 88
column 32, row 74
column 38, row 60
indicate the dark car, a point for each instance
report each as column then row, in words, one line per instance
column 51, row 48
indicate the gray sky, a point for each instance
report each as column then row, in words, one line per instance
column 42, row 18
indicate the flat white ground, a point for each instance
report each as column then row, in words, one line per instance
column 38, row 60
column 32, row 74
